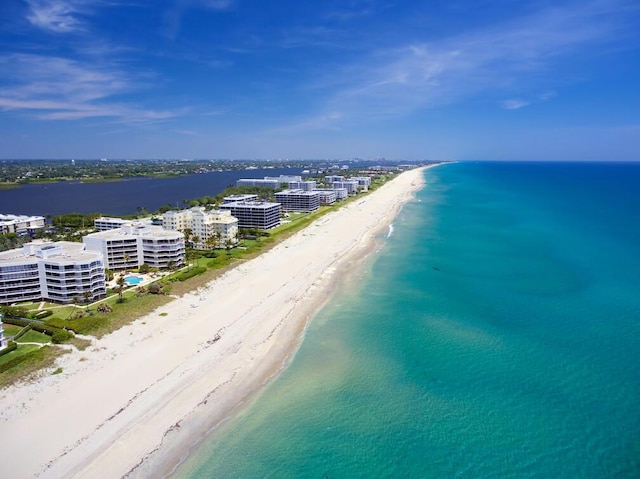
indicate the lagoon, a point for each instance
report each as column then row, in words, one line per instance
column 123, row 197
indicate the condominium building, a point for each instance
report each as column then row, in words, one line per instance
column 135, row 244
column 303, row 185
column 327, row 197
column 60, row 272
column 273, row 184
column 350, row 185
column 363, row 181
column 331, row 178
column 284, row 178
column 105, row 223
column 20, row 224
column 254, row 214
column 341, row 193
column 215, row 228
column 298, row 200
column 234, row 198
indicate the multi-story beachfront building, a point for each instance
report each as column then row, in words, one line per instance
column 350, row 185
column 303, row 185
column 135, row 244
column 290, row 181
column 213, row 228
column 105, row 223
column 234, row 198
column 254, row 214
column 341, row 193
column 59, row 272
column 364, row 182
column 332, row 178
column 327, row 196
column 298, row 200
column 20, row 224
column 273, row 184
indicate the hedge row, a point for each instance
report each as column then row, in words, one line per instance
column 22, row 332
column 12, row 346
column 35, row 325
column 191, row 273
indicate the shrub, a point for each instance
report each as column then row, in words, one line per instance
column 154, row 288
column 43, row 314
column 80, row 326
column 60, row 336
column 12, row 346
column 14, row 311
column 104, row 308
column 191, row 273
column 144, row 268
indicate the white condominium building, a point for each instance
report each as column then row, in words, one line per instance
column 350, row 185
column 363, row 181
column 58, row 272
column 254, row 214
column 298, row 200
column 234, row 198
column 303, row 185
column 135, row 244
column 105, row 223
column 331, row 178
column 213, row 228
column 273, row 184
column 327, row 197
column 20, row 224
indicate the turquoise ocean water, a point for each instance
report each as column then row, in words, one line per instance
column 496, row 333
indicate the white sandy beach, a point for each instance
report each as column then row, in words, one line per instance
column 134, row 403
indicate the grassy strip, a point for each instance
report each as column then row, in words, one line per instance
column 21, row 365
column 123, row 313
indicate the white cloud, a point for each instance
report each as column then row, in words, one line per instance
column 501, row 58
column 514, row 104
column 58, row 16
column 62, row 89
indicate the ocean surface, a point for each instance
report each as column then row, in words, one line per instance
column 122, row 198
column 494, row 334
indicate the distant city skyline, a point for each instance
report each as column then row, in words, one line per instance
column 438, row 81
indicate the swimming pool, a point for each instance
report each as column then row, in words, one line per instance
column 132, row 280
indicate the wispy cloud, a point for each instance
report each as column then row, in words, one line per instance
column 502, row 58
column 59, row 16
column 518, row 103
column 514, row 104
column 57, row 88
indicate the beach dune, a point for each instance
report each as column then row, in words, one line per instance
column 135, row 402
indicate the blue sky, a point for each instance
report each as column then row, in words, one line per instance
column 415, row 80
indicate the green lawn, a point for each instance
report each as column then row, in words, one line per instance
column 28, row 337
column 34, row 337
column 21, row 351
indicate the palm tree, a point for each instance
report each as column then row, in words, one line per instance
column 120, row 285
column 187, row 234
column 195, row 240
column 211, row 241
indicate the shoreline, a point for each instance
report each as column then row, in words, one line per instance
column 94, row 420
